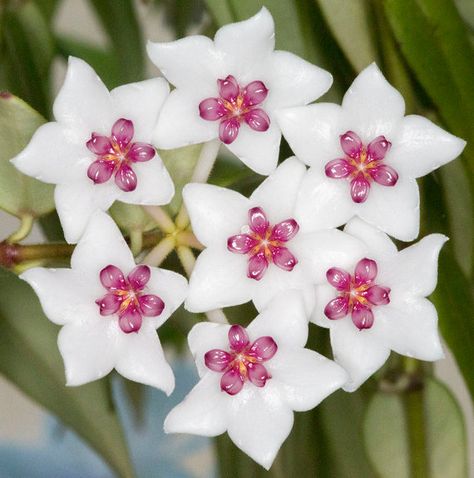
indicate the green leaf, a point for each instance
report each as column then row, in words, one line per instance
column 29, row 357
column 221, row 11
column 351, row 22
column 119, row 19
column 19, row 194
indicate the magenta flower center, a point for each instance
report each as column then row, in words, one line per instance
column 358, row 294
column 127, row 298
column 264, row 243
column 244, row 361
column 362, row 165
column 116, row 154
column 234, row 106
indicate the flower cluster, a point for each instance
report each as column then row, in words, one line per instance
column 279, row 248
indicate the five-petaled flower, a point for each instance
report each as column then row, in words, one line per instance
column 231, row 88
column 98, row 134
column 257, row 413
column 387, row 307
column 246, row 258
column 365, row 156
column 118, row 330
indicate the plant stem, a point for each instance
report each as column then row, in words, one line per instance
column 136, row 241
column 162, row 218
column 23, row 230
column 160, row 252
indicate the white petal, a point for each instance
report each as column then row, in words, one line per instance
column 191, row 63
column 84, row 103
column 206, row 336
column 170, row 287
column 284, row 319
column 55, row 155
column 179, row 123
column 324, row 293
column 101, row 245
column 360, row 352
column 89, row 348
column 378, row 243
column 245, row 45
column 219, row 279
column 395, row 210
column 62, row 294
column 154, row 184
column 323, row 203
column 141, row 103
column 141, row 359
column 304, row 377
column 277, row 194
column 256, row 149
column 413, row 271
column 293, row 81
column 420, row 147
column 410, row 328
column 375, row 106
column 260, row 423
column 313, row 132
column 203, row 411
column 216, row 213
column 77, row 202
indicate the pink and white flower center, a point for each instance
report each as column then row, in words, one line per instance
column 244, row 360
column 126, row 297
column 362, row 165
column 234, row 105
column 116, row 154
column 358, row 294
column 265, row 243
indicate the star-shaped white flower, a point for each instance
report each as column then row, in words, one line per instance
column 254, row 248
column 365, row 156
column 98, row 150
column 230, row 88
column 379, row 303
column 251, row 380
column 109, row 309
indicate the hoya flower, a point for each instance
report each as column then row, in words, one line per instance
column 365, row 156
column 109, row 309
column 255, row 247
column 98, row 150
column 251, row 380
column 379, row 304
column 230, row 88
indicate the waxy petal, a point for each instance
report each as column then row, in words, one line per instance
column 378, row 148
column 257, row 119
column 228, row 130
column 384, row 175
column 125, row 178
column 365, row 271
column 362, row 316
column 100, row 171
column 130, row 320
column 351, row 144
column 141, row 152
column 360, row 188
column 337, row 308
column 257, row 266
column 99, row 144
column 139, row 277
column 283, row 258
column 378, row 295
column 211, row 109
column 228, row 88
column 338, row 168
column 241, row 243
column 122, row 132
column 231, row 382
column 151, row 305
column 264, row 348
column 284, row 230
column 238, row 338
column 112, row 278
column 255, row 93
column 217, row 360
column 339, row 278
column 258, row 221
column 258, row 374
column 109, row 304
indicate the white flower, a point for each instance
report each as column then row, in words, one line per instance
column 98, row 148
column 252, row 379
column 109, row 309
column 231, row 88
column 254, row 248
column 378, row 304
column 365, row 156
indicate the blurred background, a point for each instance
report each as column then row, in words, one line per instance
column 426, row 50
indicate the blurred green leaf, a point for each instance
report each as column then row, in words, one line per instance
column 180, row 15
column 48, row 8
column 29, row 357
column 19, row 194
column 131, row 217
column 221, row 11
column 385, row 434
column 119, row 19
column 352, row 25
column 466, row 9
